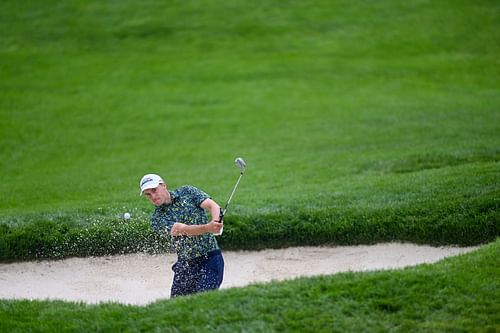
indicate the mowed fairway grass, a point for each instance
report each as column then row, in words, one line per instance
column 360, row 122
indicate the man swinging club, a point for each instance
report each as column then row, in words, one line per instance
column 181, row 214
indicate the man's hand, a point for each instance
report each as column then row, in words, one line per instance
column 215, row 226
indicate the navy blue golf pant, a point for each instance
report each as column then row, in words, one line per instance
column 199, row 274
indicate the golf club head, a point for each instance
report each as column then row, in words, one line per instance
column 240, row 164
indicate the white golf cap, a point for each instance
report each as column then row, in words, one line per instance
column 150, row 181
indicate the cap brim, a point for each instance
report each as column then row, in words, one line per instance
column 149, row 186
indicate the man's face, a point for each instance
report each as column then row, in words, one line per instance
column 157, row 196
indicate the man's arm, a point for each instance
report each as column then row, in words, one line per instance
column 182, row 229
column 213, row 208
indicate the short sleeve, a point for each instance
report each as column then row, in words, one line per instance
column 196, row 195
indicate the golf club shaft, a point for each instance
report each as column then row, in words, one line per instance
column 223, row 211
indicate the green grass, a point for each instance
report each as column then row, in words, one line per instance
column 315, row 95
column 462, row 212
column 459, row 294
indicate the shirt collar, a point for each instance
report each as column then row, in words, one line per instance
column 173, row 198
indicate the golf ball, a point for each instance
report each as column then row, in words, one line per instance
column 126, row 216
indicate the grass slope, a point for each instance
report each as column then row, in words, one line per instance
column 322, row 98
column 458, row 294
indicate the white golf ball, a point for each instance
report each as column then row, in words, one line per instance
column 126, row 216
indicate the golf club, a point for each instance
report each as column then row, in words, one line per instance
column 240, row 163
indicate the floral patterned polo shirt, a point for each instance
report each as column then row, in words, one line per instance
column 185, row 208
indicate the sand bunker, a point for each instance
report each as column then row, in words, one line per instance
column 141, row 279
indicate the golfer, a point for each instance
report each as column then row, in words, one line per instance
column 182, row 215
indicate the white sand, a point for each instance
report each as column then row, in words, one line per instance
column 141, row 279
